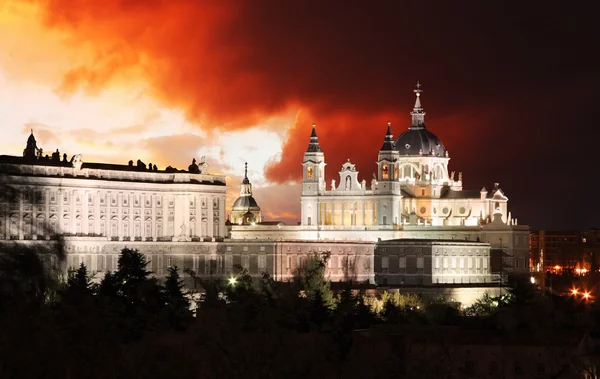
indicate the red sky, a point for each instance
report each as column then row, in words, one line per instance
column 509, row 88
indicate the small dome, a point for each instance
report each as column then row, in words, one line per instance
column 245, row 202
column 417, row 140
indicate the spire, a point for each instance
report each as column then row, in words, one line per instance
column 246, row 188
column 388, row 142
column 418, row 115
column 313, row 146
column 31, row 148
column 246, row 180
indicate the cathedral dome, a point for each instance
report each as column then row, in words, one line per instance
column 417, row 140
column 245, row 203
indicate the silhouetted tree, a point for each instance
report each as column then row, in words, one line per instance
column 178, row 305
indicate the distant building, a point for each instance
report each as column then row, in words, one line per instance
column 565, row 251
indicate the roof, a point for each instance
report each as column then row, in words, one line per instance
column 417, row 140
column 464, row 194
column 245, row 203
column 48, row 162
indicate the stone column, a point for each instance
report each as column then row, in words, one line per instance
column 46, row 212
column 21, row 195
column 120, row 216
column 222, row 216
column 73, row 219
column 84, row 213
column 364, row 212
column 165, row 205
column 210, row 216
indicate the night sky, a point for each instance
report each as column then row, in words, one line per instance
column 509, row 87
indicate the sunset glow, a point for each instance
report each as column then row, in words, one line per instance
column 168, row 81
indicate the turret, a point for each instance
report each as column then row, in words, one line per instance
column 387, row 159
column 313, row 177
column 245, row 210
column 31, row 150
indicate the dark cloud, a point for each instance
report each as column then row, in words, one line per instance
column 509, row 87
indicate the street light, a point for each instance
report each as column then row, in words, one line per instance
column 574, row 291
column 232, row 281
column 586, row 295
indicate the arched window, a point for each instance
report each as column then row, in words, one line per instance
column 309, row 172
column 384, row 171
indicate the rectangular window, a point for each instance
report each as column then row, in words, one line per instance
column 445, row 262
column 168, row 261
column 100, row 263
column 228, row 248
column 228, row 262
column 470, row 260
column 485, row 264
column 289, row 263
column 420, row 262
column 462, row 262
column 262, row 248
column 437, row 262
column 385, row 262
column 299, row 262
column 246, row 262
column 245, row 248
column 478, row 263
column 262, row 262
column 453, row 262
column 402, row 262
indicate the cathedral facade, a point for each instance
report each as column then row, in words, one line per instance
column 412, row 197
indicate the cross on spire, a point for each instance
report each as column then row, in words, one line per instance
column 418, row 116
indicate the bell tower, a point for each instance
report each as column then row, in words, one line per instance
column 313, row 180
column 313, row 176
column 387, row 159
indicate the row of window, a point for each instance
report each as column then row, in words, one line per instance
column 469, row 262
column 126, row 230
column 157, row 263
column 37, row 197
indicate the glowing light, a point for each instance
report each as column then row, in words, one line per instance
column 574, row 291
column 557, row 267
column 586, row 295
column 232, row 281
column 532, row 279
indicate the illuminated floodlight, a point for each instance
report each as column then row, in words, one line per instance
column 586, row 295
column 232, row 281
column 574, row 291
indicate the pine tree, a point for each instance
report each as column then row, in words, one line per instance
column 173, row 290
